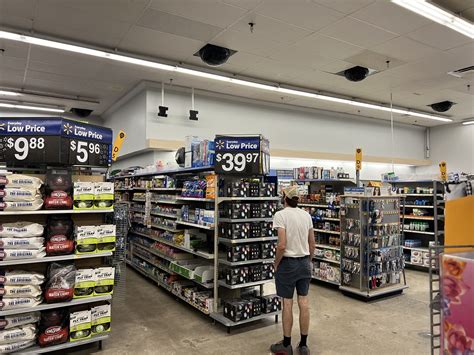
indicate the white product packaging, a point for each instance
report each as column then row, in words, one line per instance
column 8, row 348
column 86, row 239
column 20, row 291
column 17, row 334
column 104, row 281
column 21, row 230
column 21, row 277
column 16, row 320
column 21, row 243
column 19, row 194
column 80, row 325
column 19, row 180
column 22, row 205
column 21, row 302
column 100, row 319
column 13, row 254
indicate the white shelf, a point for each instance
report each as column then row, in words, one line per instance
column 229, row 323
column 424, row 195
column 138, row 200
column 39, row 350
column 421, row 218
column 248, row 284
column 169, row 202
column 326, row 231
column 23, row 213
column 224, row 199
column 46, row 306
column 167, row 172
column 330, row 207
column 166, row 215
column 247, row 240
column 417, row 206
column 164, row 189
column 245, row 262
column 195, row 225
column 195, row 199
column 324, row 280
column 154, row 252
column 327, row 246
column 418, row 232
column 416, row 248
column 245, row 220
column 48, row 259
column 376, row 292
column 165, row 228
column 413, row 264
column 327, row 260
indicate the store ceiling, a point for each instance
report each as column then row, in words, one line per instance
column 298, row 42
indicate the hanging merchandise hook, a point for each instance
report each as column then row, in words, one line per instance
column 162, row 110
column 193, row 113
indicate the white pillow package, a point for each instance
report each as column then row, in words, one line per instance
column 8, row 348
column 20, row 291
column 22, row 205
column 19, row 180
column 21, row 243
column 21, row 277
column 16, row 320
column 17, row 334
column 21, row 230
column 13, row 254
column 19, row 194
column 19, row 302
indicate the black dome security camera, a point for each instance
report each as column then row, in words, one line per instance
column 356, row 73
column 442, row 106
column 81, row 112
column 214, row 55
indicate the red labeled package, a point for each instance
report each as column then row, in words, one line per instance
column 60, row 282
column 53, row 327
column 59, row 237
column 64, row 202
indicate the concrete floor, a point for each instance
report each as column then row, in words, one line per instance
column 151, row 321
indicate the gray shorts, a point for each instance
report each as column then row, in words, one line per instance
column 293, row 273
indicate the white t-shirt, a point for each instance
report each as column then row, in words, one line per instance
column 297, row 224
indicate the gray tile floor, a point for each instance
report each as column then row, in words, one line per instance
column 151, row 321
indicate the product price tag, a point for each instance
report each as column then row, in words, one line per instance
column 358, row 159
column 443, row 171
column 242, row 155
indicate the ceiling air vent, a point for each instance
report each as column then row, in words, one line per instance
column 463, row 73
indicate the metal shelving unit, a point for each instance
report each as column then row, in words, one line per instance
column 46, row 212
column 48, row 259
column 39, row 350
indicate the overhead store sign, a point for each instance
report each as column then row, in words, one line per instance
column 242, row 155
column 40, row 140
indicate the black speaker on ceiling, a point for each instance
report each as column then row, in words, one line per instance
column 81, row 112
column 356, row 73
column 193, row 115
column 214, row 55
column 162, row 111
column 442, row 106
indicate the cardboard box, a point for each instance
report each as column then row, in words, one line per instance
column 101, row 319
column 80, row 325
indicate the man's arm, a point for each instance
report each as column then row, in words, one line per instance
column 281, row 247
column 312, row 243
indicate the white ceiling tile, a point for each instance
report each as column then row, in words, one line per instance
column 374, row 60
column 391, row 17
column 301, row 54
column 213, row 12
column 405, row 49
column 246, row 42
column 7, row 63
column 335, row 66
column 357, row 32
column 344, row 6
column 439, row 36
column 17, row 13
column 14, row 49
column 180, row 26
column 466, row 51
column 300, row 13
column 238, row 62
column 244, row 4
column 146, row 41
column 266, row 28
column 273, row 71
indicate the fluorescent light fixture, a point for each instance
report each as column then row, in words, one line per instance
column 465, row 123
column 437, row 14
column 202, row 74
column 9, row 93
column 28, row 107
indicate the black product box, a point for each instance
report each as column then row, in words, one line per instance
column 254, row 252
column 235, row 230
column 255, row 273
column 255, row 210
column 255, row 230
column 238, row 210
column 254, row 187
column 236, row 276
column 256, row 305
column 268, row 209
column 270, row 303
column 238, row 310
column 268, row 250
column 267, row 229
column 238, row 253
column 267, row 189
column 238, row 189
column 268, row 271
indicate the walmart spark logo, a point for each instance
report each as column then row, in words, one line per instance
column 220, row 144
column 67, row 128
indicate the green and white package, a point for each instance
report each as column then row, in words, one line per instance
column 86, row 239
column 83, row 195
column 85, row 282
column 104, row 195
column 101, row 318
column 80, row 325
column 104, row 281
column 106, row 238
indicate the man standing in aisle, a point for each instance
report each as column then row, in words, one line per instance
column 296, row 246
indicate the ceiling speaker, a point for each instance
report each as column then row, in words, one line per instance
column 356, row 73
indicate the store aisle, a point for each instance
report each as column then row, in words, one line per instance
column 152, row 322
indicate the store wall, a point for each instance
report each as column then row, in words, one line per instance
column 453, row 144
column 285, row 127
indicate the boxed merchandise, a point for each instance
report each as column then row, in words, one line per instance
column 104, row 195
column 21, row 230
column 53, row 327
column 210, row 186
column 238, row 310
column 100, row 319
column 254, row 188
column 256, row 305
column 16, row 320
column 84, row 195
column 80, row 325
column 270, row 303
column 237, row 189
column 268, row 271
column 417, row 253
column 267, row 189
column 190, row 143
column 268, row 250
column 238, row 253
column 106, row 238
column 254, row 251
column 416, row 259
column 255, row 230
column 235, row 230
column 85, row 283
column 237, row 210
column 267, row 229
column 238, row 275
column 255, row 210
column 86, row 239
column 255, row 273
column 104, row 281
column 268, row 209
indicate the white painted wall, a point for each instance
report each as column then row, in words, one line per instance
column 453, row 144
column 147, row 159
column 284, row 126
